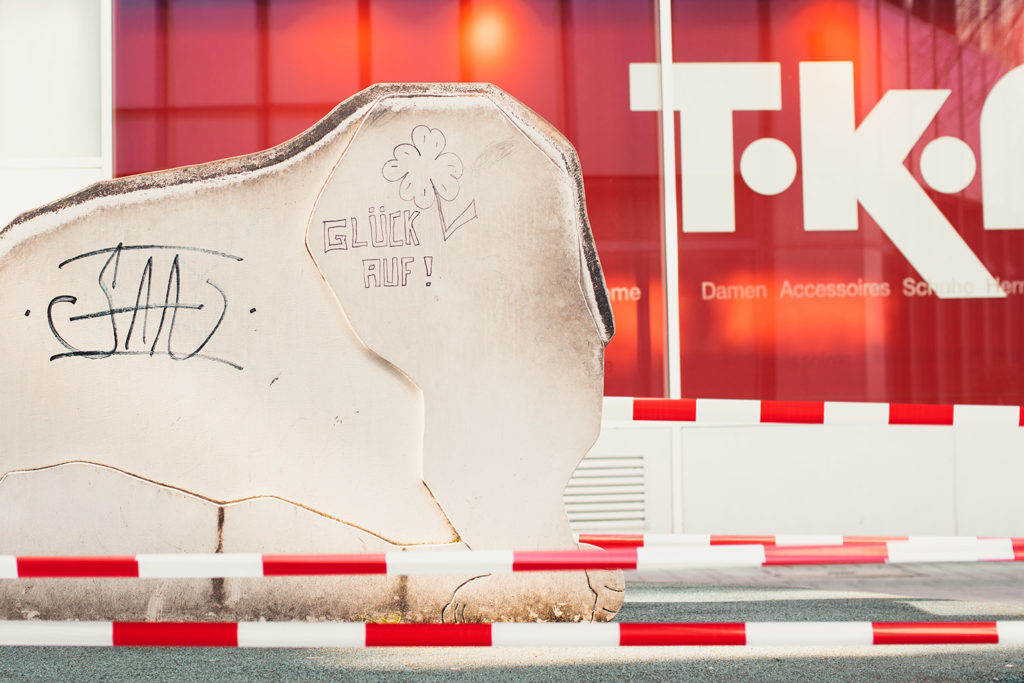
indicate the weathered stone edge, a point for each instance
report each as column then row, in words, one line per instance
column 275, row 155
column 595, row 286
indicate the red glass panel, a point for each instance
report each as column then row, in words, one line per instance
column 414, row 41
column 214, row 52
column 198, row 136
column 312, row 52
column 774, row 310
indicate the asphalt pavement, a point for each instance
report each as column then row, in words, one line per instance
column 947, row 592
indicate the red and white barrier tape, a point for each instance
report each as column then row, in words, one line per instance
column 744, row 412
column 425, row 563
column 307, row 634
column 610, row 541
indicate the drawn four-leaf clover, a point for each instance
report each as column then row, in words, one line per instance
column 428, row 175
column 425, row 173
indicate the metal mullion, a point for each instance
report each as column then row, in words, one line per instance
column 670, row 236
column 670, row 256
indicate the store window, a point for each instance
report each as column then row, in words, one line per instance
column 865, row 240
column 848, row 220
column 197, row 80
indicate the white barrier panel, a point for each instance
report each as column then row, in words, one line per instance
column 867, row 468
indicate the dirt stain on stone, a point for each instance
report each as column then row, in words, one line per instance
column 217, row 584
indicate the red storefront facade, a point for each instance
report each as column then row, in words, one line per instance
column 841, row 209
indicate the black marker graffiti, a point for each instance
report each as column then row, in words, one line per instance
column 427, row 175
column 140, row 311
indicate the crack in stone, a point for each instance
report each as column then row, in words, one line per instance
column 225, row 503
column 217, row 584
column 597, row 597
column 452, row 601
column 155, row 604
column 447, row 520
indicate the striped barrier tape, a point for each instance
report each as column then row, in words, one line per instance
column 610, row 541
column 353, row 635
column 427, row 563
column 744, row 412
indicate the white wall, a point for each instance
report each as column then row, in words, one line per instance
column 55, row 88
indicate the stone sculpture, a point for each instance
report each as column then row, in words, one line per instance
column 385, row 333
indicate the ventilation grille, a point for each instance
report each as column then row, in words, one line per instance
column 606, row 493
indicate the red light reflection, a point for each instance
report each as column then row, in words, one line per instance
column 639, row 321
column 799, row 314
column 832, row 326
column 487, row 32
column 831, row 30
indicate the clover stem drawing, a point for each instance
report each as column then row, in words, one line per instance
column 440, row 210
